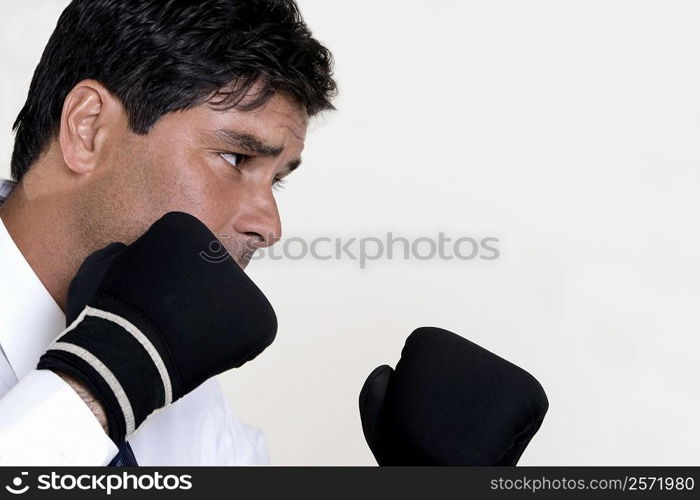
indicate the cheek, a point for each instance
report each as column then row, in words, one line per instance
column 215, row 205
column 191, row 185
column 159, row 176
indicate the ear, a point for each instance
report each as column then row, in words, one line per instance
column 91, row 120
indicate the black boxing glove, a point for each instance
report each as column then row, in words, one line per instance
column 450, row 402
column 153, row 320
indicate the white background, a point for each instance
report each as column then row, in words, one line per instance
column 569, row 130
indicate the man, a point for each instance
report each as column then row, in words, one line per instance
column 136, row 109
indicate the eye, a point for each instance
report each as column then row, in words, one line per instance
column 278, row 183
column 235, row 159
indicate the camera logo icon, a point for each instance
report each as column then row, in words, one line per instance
column 216, row 252
column 16, row 487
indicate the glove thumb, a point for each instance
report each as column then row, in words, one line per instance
column 371, row 403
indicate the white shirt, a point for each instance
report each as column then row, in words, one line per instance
column 43, row 421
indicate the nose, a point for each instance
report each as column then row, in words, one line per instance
column 259, row 220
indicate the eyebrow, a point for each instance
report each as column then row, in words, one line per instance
column 251, row 144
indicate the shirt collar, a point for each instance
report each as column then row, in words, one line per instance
column 30, row 319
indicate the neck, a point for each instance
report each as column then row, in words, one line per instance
column 43, row 231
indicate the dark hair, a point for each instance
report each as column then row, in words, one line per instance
column 160, row 56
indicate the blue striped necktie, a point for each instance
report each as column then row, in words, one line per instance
column 125, row 457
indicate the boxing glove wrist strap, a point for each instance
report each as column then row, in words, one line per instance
column 121, row 358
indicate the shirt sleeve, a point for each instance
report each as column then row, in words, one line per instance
column 258, row 453
column 44, row 422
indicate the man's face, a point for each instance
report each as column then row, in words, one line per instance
column 219, row 166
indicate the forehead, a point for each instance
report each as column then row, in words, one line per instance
column 278, row 117
column 281, row 112
column 279, row 120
